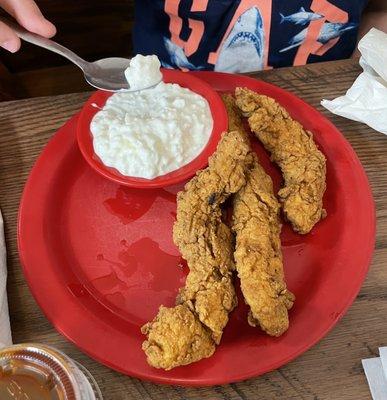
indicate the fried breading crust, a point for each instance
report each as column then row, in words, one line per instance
column 258, row 253
column 176, row 337
column 206, row 243
column 235, row 122
column 293, row 149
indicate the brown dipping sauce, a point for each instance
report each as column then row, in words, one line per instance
column 38, row 372
column 25, row 381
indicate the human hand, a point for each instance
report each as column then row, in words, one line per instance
column 27, row 14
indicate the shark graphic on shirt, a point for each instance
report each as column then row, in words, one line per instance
column 302, row 17
column 177, row 57
column 242, row 50
column 328, row 32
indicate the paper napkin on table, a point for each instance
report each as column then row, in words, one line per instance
column 5, row 330
column 376, row 373
column 366, row 100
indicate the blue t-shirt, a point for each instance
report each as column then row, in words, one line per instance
column 245, row 35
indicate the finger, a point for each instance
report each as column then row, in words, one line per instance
column 27, row 13
column 8, row 38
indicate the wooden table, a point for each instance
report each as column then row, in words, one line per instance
column 330, row 370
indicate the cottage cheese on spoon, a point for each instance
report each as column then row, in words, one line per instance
column 143, row 72
column 151, row 132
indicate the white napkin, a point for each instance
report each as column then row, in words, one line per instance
column 366, row 100
column 376, row 373
column 5, row 329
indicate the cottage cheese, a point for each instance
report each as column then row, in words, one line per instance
column 151, row 132
column 143, row 72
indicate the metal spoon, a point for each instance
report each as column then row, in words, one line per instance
column 106, row 74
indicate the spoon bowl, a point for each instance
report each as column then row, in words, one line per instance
column 108, row 74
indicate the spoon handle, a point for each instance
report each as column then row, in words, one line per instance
column 45, row 43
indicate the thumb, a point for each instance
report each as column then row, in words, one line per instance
column 27, row 13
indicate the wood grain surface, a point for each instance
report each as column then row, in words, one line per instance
column 330, row 370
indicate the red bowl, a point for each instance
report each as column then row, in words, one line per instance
column 219, row 115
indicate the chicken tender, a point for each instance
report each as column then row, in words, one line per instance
column 176, row 337
column 207, row 245
column 258, row 253
column 293, row 149
column 235, row 122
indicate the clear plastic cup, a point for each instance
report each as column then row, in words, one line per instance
column 37, row 372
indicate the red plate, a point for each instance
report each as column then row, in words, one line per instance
column 219, row 115
column 99, row 257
